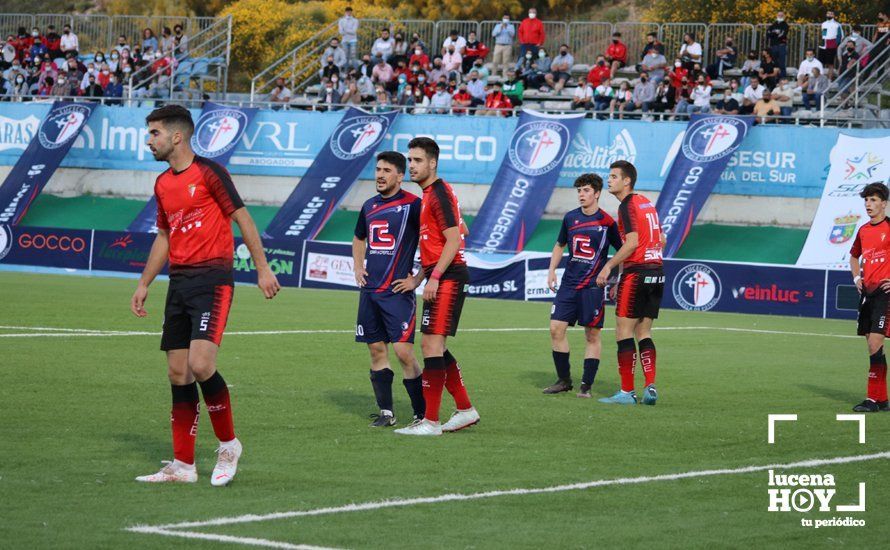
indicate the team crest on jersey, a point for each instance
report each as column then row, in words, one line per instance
column 354, row 139
column 844, row 228
column 539, row 147
column 697, row 288
column 5, row 240
column 713, row 138
column 218, row 131
column 62, row 126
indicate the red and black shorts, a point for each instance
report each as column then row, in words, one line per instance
column 197, row 309
column 442, row 315
column 639, row 294
column 873, row 314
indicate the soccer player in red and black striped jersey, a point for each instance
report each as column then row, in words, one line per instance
column 870, row 265
column 641, row 284
column 444, row 267
column 197, row 202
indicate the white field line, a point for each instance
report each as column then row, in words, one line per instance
column 71, row 333
column 175, row 529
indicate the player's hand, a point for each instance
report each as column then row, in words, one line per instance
column 551, row 281
column 137, row 302
column 430, row 290
column 603, row 276
column 408, row 284
column 361, row 275
column 268, row 283
column 859, row 285
column 613, row 292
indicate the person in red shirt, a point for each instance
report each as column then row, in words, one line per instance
column 462, row 98
column 531, row 34
column 616, row 54
column 496, row 103
column 443, row 265
column 870, row 266
column 197, row 202
column 599, row 71
column 641, row 284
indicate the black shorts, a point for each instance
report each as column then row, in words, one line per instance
column 827, row 56
column 873, row 314
column 639, row 294
column 442, row 316
column 197, row 309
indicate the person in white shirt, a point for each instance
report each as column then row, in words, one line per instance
column 701, row 98
column 806, row 67
column 832, row 34
column 690, row 51
column 383, row 47
column 602, row 96
column 783, row 94
column 454, row 38
column 68, row 42
column 348, row 28
column 583, row 96
column 440, row 103
column 280, row 94
column 753, row 93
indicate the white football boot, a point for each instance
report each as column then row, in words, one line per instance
column 172, row 472
column 461, row 419
column 226, row 463
column 421, row 427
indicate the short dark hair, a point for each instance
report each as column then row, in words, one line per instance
column 593, row 180
column 429, row 146
column 395, row 158
column 173, row 115
column 628, row 170
column 652, row 34
column 873, row 189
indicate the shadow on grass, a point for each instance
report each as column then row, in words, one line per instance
column 153, row 447
column 840, row 396
column 353, row 402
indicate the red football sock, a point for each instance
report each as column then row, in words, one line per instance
column 433, row 383
column 647, row 359
column 877, row 376
column 216, row 397
column 454, row 382
column 184, row 422
column 627, row 358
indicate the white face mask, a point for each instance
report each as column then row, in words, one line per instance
column 532, row 15
column 418, row 52
column 506, row 19
column 780, row 19
column 678, row 64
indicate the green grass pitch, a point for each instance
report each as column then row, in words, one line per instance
column 83, row 413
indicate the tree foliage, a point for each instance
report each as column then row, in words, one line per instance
column 761, row 11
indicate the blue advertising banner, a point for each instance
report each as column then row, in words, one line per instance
column 45, row 246
column 504, row 280
column 524, row 183
column 121, row 251
column 34, row 168
column 285, row 261
column 337, row 166
column 704, row 153
column 217, row 133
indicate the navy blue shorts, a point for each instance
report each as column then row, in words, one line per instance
column 585, row 307
column 385, row 317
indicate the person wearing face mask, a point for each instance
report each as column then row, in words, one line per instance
column 351, row 94
column 777, row 38
column 166, row 41
column 750, row 68
column 335, row 52
column 783, row 94
column 19, row 88
column 881, row 37
column 496, row 103
column 531, row 34
column 452, row 62
column 726, row 58
column 482, row 70
column 383, row 75
column 406, row 99
column 69, row 42
column 806, row 67
column 817, row 85
column 653, row 63
column 616, row 54
column 832, row 34
column 38, row 49
column 690, row 51
column 514, row 87
column 462, row 98
column 348, row 28
column 456, row 41
column 540, row 67
column 421, row 102
column 664, row 98
column 677, row 75
column 62, row 87
column 399, row 48
column 861, row 45
column 474, row 51
column 14, row 69
column 419, row 57
column 114, row 61
column 582, row 98
column 642, row 97
column 849, row 59
column 382, row 47
column 329, row 97
column 93, row 88
column 726, row 105
column 438, row 71
column 769, row 70
column 103, row 76
column 560, row 69
column 476, row 89
column 338, row 83
column 122, row 44
column 330, row 67
column 524, row 65
column 53, row 41
column 503, row 35
column 602, row 97
column 91, row 71
column 180, row 42
column 598, row 72
column 752, row 94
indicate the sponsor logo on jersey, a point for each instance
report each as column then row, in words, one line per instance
column 356, row 138
column 713, row 138
column 217, row 132
column 862, row 167
column 844, row 228
column 697, row 288
column 5, row 240
column 539, row 147
column 62, row 126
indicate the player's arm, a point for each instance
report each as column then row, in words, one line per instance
column 358, row 261
column 631, row 240
column 449, row 251
column 855, row 267
column 266, row 280
column 555, row 258
column 160, row 251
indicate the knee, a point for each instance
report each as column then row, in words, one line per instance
column 432, row 348
column 593, row 336
column 405, row 356
column 178, row 376
column 557, row 331
column 201, row 369
column 377, row 350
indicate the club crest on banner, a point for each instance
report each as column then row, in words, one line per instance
column 5, row 240
column 217, row 131
column 862, row 166
column 713, row 138
column 844, row 228
column 354, row 139
column 62, row 126
column 697, row 288
column 539, row 147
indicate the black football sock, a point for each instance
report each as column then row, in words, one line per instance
column 414, row 387
column 381, row 381
column 590, row 368
column 563, row 368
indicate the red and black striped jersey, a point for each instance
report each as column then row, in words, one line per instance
column 872, row 246
column 195, row 206
column 637, row 215
column 440, row 211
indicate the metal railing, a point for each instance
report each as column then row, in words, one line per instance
column 855, row 84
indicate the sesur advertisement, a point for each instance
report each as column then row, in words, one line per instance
column 775, row 160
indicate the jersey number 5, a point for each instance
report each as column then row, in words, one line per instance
column 379, row 237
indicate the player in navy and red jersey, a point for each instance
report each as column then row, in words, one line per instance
column 589, row 231
column 383, row 248
column 870, row 265
column 197, row 202
column 641, row 285
column 443, row 265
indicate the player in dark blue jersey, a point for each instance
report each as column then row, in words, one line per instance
column 383, row 249
column 588, row 232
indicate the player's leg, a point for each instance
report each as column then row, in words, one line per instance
column 876, row 396
column 647, row 356
column 626, row 320
column 398, row 314
column 451, row 297
column 370, row 329
column 433, row 378
column 412, row 379
column 559, row 344
column 592, row 316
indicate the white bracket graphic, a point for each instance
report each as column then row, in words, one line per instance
column 772, row 419
column 855, row 418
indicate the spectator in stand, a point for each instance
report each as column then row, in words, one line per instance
column 769, row 71
column 817, row 85
column 352, row 95
column 348, row 28
column 149, row 41
column 339, row 83
column 482, row 70
column 382, row 101
column 419, row 56
column 737, row 91
column 476, row 89
column 114, row 61
column 440, row 103
column 474, row 50
column 122, row 44
column 806, row 67
column 726, row 59
column 616, row 54
column 881, row 37
column 540, row 67
column 383, row 74
column 329, row 68
column 765, row 107
column 366, row 67
column 664, row 98
column 531, row 34
column 75, row 73
column 399, row 48
column 366, row 88
column 727, row 104
column 454, row 39
column 496, row 103
column 701, row 97
column 462, row 99
column 583, row 96
column 23, row 42
column 53, row 42
column 104, row 76
column 849, row 59
column 503, row 35
column 599, row 71
column 514, row 87
column 85, row 79
column 438, row 70
column 832, row 34
column 45, row 89
column 280, row 94
column 654, row 64
column 336, row 53
column 452, row 62
column 93, row 89
column 652, row 41
column 642, row 97
column 47, row 70
column 861, row 44
column 38, row 49
column 525, row 65
column 382, row 49
column 750, row 69
column 180, row 42
column 416, row 42
column 62, row 87
column 783, row 95
column 167, row 41
column 560, row 69
column 397, row 85
column 330, row 98
column 777, row 38
column 690, row 51
column 677, row 75
column 15, row 69
column 753, row 93
column 622, row 96
column 18, row 88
